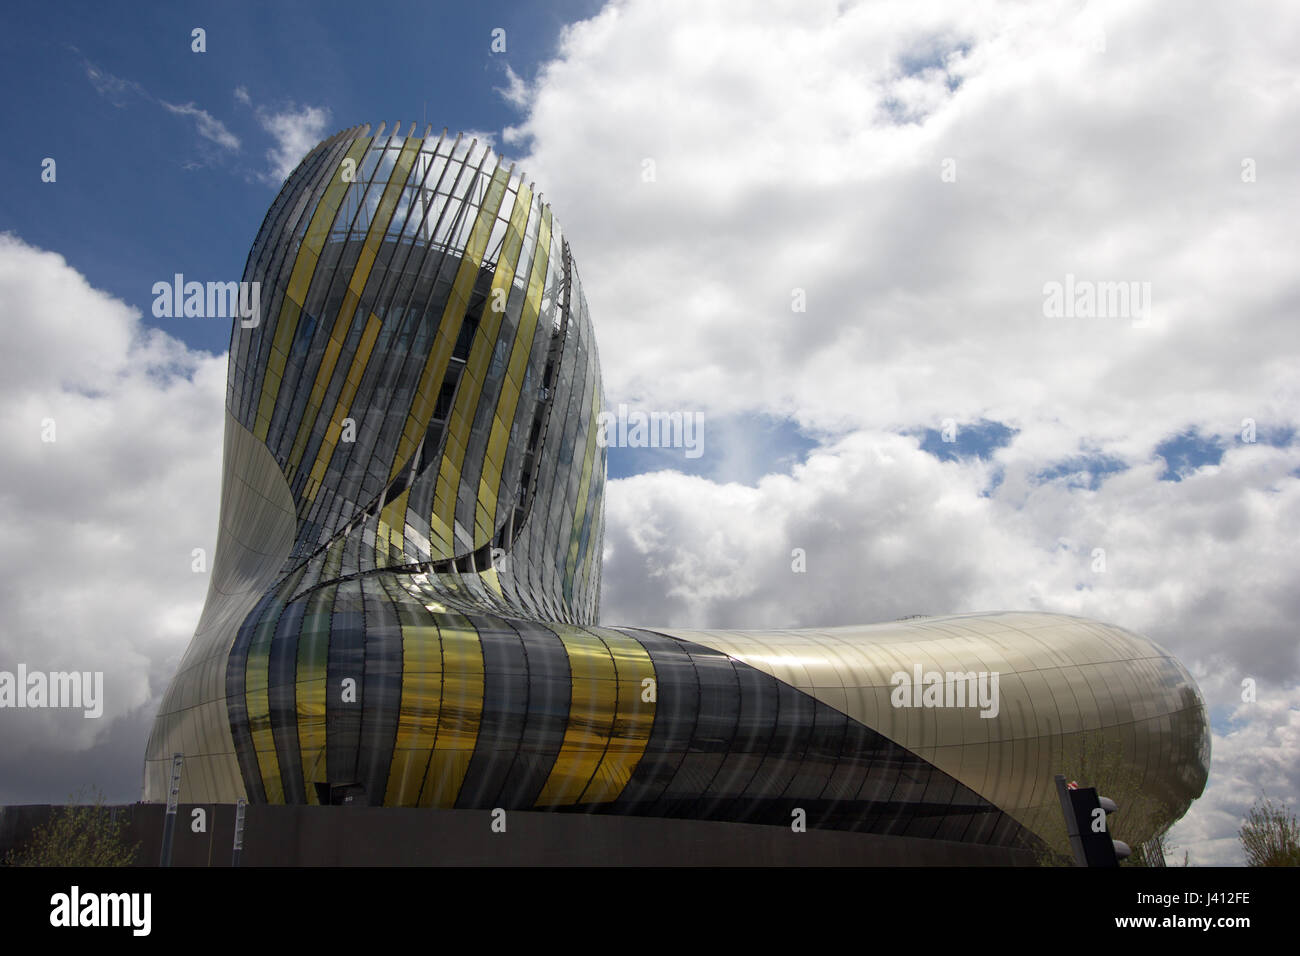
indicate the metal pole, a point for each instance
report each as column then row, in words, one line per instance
column 240, row 807
column 169, row 821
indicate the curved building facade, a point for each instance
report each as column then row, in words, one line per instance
column 403, row 603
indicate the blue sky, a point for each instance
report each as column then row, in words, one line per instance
column 142, row 194
column 163, row 158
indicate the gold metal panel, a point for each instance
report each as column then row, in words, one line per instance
column 459, row 714
column 257, row 700
column 508, row 402
column 417, row 718
column 453, row 314
column 299, row 281
column 633, row 719
column 592, row 709
column 390, row 529
column 356, row 286
column 310, row 687
column 342, row 406
column 489, row 332
column 1045, row 701
column 580, row 511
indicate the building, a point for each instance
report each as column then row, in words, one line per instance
column 403, row 603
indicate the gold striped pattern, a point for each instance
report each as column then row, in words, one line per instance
column 609, row 722
column 461, row 420
column 257, row 672
column 389, row 531
column 417, row 718
column 580, row 512
column 304, row 268
column 435, row 365
column 512, row 387
column 390, row 537
column 341, row 407
column 459, row 714
column 593, row 542
column 257, row 699
column 310, row 687
column 490, row 329
column 356, row 286
column 492, row 580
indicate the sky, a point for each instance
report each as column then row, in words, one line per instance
column 860, row 239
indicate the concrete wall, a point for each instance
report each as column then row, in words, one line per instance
column 385, row 836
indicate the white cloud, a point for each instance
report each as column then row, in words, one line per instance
column 1255, row 758
column 116, row 89
column 100, row 524
column 295, row 131
column 803, row 146
column 483, row 137
column 777, row 167
column 113, row 88
column 516, row 91
column 208, row 126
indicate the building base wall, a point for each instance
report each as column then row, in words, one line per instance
column 387, row 836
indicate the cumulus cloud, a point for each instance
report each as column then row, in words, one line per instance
column 855, row 217
column 112, row 438
column 1254, row 757
column 295, row 131
column 516, row 91
column 483, row 136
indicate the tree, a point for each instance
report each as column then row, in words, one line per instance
column 1158, row 851
column 1270, row 835
column 78, row 834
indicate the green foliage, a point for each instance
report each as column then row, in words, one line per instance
column 1158, row 851
column 1046, row 856
column 79, row 834
column 1270, row 836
